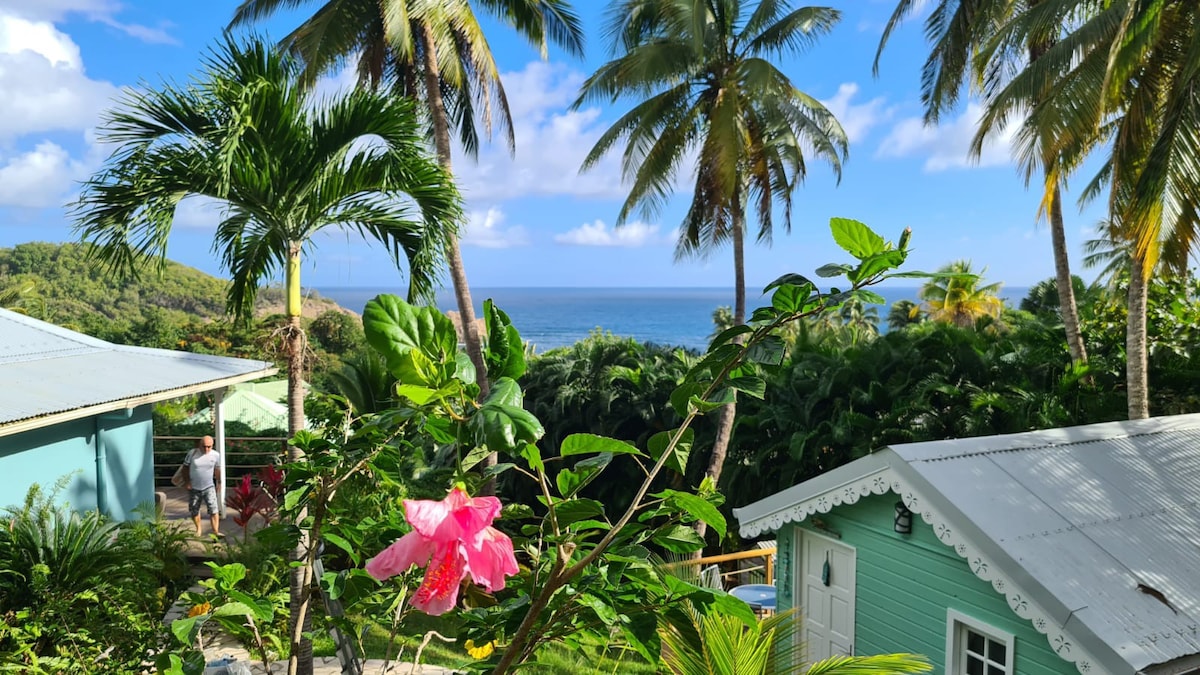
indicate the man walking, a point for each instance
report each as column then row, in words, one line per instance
column 203, row 474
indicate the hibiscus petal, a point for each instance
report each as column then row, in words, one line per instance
column 426, row 515
column 458, row 517
column 438, row 592
column 411, row 549
column 490, row 558
column 474, row 515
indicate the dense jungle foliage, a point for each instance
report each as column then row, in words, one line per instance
column 844, row 390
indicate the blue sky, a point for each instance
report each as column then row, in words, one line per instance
column 535, row 221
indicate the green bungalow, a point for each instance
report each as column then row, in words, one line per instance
column 72, row 405
column 1056, row 551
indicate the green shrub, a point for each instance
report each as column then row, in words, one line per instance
column 79, row 593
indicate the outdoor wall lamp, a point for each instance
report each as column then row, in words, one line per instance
column 903, row 520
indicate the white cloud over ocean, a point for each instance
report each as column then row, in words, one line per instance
column 597, row 233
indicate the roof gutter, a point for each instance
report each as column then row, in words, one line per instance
column 40, row 421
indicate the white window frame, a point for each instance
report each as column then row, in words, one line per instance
column 957, row 624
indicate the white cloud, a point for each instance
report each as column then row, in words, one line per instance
column 484, row 230
column 633, row 235
column 197, row 212
column 42, row 82
column 947, row 145
column 102, row 11
column 857, row 119
column 551, row 140
column 40, row 178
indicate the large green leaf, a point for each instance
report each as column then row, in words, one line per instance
column 505, row 353
column 572, row 510
column 571, row 481
column 505, row 391
column 683, row 394
column 678, row 539
column 588, row 444
column 603, row 610
column 794, row 299
column 395, row 328
column 185, row 630
column 696, row 506
column 678, row 460
column 503, row 428
column 856, row 238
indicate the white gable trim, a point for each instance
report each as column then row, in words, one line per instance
column 885, row 480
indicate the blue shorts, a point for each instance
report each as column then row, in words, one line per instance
column 208, row 495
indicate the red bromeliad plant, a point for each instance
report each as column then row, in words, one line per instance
column 245, row 500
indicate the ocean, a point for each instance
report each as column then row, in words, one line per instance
column 558, row 317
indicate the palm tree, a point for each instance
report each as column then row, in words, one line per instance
column 959, row 298
column 1116, row 251
column 285, row 167
column 712, row 102
column 713, row 644
column 433, row 51
column 903, row 313
column 966, row 50
column 1124, row 78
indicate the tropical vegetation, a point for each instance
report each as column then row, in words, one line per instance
column 435, row 53
column 711, row 100
column 283, row 166
column 598, row 481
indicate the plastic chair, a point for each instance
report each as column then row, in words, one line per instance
column 710, row 577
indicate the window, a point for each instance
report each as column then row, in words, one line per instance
column 975, row 648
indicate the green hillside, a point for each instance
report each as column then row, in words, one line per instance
column 60, row 285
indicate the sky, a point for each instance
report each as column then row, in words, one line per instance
column 534, row 219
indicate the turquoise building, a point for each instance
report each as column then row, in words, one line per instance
column 77, row 407
column 1060, row 551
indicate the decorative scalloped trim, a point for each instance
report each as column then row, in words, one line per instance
column 886, row 480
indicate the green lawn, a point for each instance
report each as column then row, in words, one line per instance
column 553, row 661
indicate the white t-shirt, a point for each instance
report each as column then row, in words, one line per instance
column 202, row 467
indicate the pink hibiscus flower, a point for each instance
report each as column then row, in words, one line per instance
column 450, row 539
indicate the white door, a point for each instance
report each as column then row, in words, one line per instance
column 826, row 583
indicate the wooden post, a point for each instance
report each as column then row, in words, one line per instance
column 770, row 565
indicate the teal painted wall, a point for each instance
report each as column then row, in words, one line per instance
column 905, row 585
column 43, row 456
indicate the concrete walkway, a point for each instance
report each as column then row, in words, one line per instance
column 175, row 511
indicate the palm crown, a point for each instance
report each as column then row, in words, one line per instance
column 282, row 166
column 713, row 96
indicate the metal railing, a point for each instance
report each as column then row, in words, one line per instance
column 764, row 571
column 243, row 455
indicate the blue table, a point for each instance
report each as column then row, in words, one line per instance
column 760, row 597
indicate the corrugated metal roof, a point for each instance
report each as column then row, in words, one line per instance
column 47, row 370
column 1093, row 523
column 242, row 405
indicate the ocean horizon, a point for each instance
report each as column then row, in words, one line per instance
column 549, row 318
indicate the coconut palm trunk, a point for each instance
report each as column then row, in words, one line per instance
column 728, row 412
column 1136, row 379
column 458, row 274
column 1062, row 280
column 1058, row 243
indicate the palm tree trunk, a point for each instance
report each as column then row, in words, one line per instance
column 1058, row 242
column 458, row 274
column 725, row 418
column 1062, row 280
column 1136, row 379
column 299, row 619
